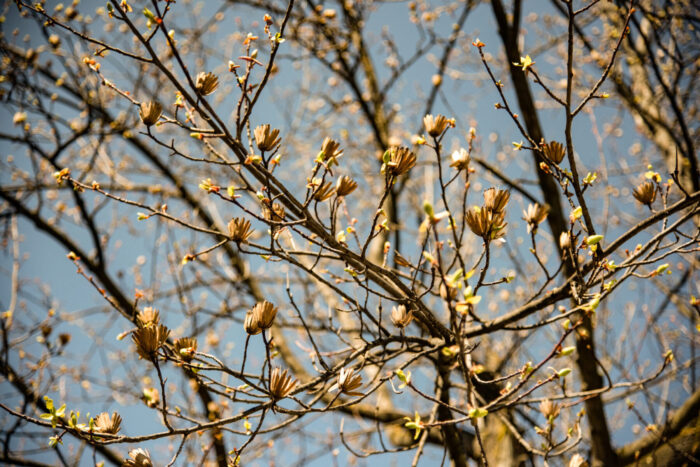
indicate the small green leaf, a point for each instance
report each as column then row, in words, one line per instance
column 590, row 178
column 594, row 240
column 149, row 14
column 386, row 157
column 576, row 214
column 428, row 209
column 567, row 351
column 478, row 412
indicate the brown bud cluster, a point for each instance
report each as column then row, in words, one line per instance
column 149, row 316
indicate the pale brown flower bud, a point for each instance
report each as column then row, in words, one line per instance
column 554, row 151
column 401, row 160
column 186, row 347
column 549, row 409
column 535, row 215
column 106, row 424
column 260, row 317
column 348, row 382
column 331, row 150
column 460, row 159
column 266, row 138
column 239, row 229
column 274, row 215
column 435, row 126
column 149, row 316
column 578, row 461
column 645, row 193
column 401, row 316
column 447, row 292
column 150, row 397
column 206, row 83
column 345, row 186
column 495, row 199
column 281, row 384
column 325, row 191
column 565, row 241
column 139, row 458
column 149, row 339
column 150, row 112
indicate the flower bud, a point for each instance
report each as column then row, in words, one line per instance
column 150, row 112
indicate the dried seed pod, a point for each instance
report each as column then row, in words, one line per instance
column 250, row 324
column 325, row 191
